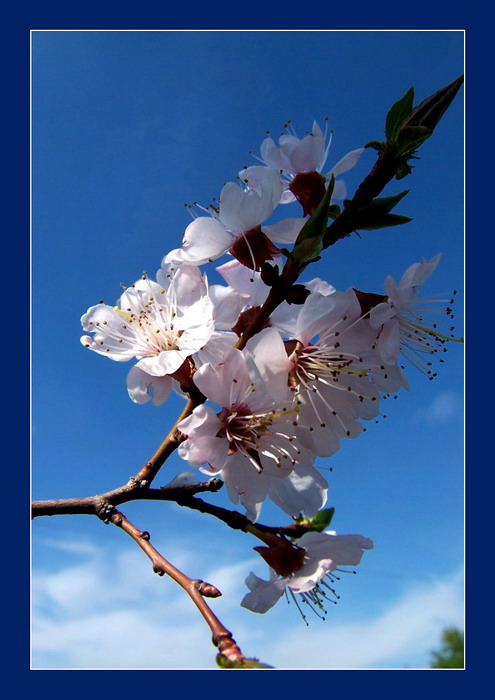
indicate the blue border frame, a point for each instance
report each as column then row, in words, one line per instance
column 16, row 140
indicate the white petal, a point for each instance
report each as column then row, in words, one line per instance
column 265, row 594
column 226, row 384
column 204, row 239
column 346, row 163
column 227, row 304
column 204, row 449
column 187, row 287
column 285, row 231
column 268, row 352
column 419, row 272
column 304, row 490
column 166, row 362
column 142, row 387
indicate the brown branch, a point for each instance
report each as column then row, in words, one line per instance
column 380, row 175
column 237, row 521
column 196, row 589
column 103, row 504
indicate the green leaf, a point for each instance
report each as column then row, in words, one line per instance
column 386, row 221
column 403, row 170
column 224, row 662
column 429, row 112
column 318, row 222
column 377, row 214
column 379, row 146
column 385, row 204
column 410, row 138
column 309, row 242
column 397, row 113
column 322, row 519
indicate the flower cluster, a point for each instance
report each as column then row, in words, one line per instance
column 276, row 400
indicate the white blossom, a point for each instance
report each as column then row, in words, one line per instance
column 159, row 326
column 324, row 553
column 237, row 225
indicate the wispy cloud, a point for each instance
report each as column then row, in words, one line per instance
column 442, row 408
column 411, row 624
column 110, row 612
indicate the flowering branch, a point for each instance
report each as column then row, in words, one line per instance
column 294, row 368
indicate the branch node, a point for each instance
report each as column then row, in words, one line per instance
column 104, row 511
column 144, row 535
column 140, row 483
column 207, row 590
column 158, row 570
column 223, row 640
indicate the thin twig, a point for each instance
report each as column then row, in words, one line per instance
column 195, row 588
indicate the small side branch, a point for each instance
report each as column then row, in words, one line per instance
column 196, row 589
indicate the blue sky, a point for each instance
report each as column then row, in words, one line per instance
column 127, row 126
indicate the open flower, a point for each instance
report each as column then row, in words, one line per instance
column 400, row 319
column 324, row 552
column 300, row 162
column 254, row 437
column 160, row 326
column 250, row 422
column 236, row 226
column 330, row 355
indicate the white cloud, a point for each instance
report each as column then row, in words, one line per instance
column 111, row 612
column 442, row 408
column 410, row 625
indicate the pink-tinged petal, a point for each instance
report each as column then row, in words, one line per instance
column 216, row 347
column 246, row 282
column 339, row 190
column 344, row 550
column 204, row 449
column 268, row 352
column 166, row 362
column 309, row 153
column 346, row 163
column 254, row 177
column 202, row 421
column 304, row 490
column 419, row 272
column 227, row 305
column 264, row 594
column 320, row 286
column 187, row 287
column 287, row 197
column 196, row 324
column 390, row 380
column 319, row 313
column 226, row 384
column 389, row 342
column 381, row 313
column 273, row 156
column 242, row 210
column 245, row 483
column 142, row 387
column 322, row 441
column 284, row 231
column 204, row 239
